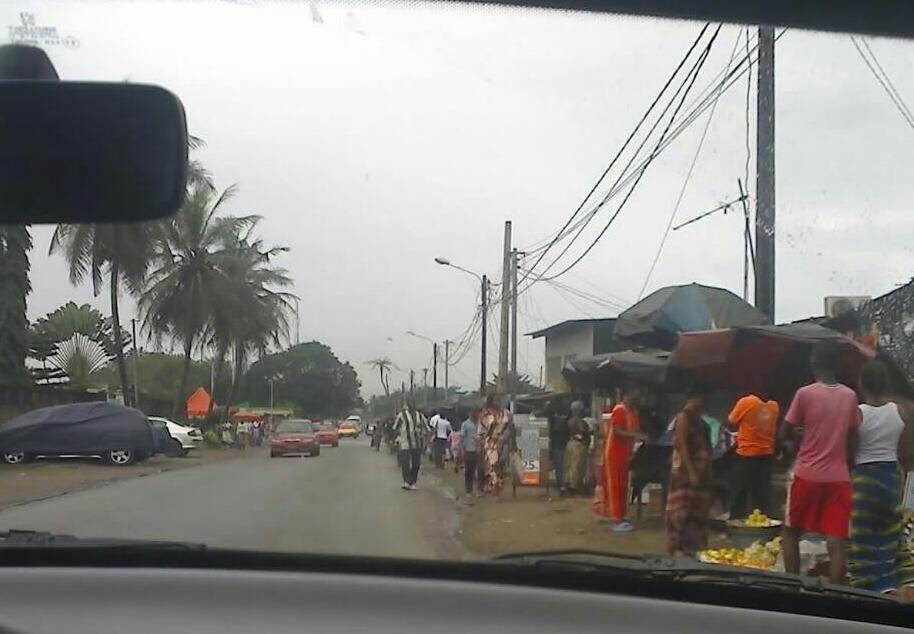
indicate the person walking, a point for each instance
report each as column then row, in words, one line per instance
column 469, row 435
column 558, row 443
column 688, row 504
column 877, row 557
column 825, row 417
column 576, row 450
column 440, row 428
column 455, row 446
column 756, row 423
column 493, row 424
column 408, row 428
column 622, row 431
column 244, row 434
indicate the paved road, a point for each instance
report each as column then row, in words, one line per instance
column 345, row 501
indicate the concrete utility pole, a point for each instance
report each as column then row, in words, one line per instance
column 513, row 375
column 764, row 176
column 435, row 369
column 447, row 363
column 502, row 385
column 485, row 334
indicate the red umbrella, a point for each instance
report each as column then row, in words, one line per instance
column 242, row 415
column 769, row 360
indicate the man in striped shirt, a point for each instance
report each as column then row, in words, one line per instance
column 409, row 427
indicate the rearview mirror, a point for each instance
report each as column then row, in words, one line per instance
column 90, row 152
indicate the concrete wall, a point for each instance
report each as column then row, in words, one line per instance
column 568, row 344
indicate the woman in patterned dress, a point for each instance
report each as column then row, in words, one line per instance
column 689, row 499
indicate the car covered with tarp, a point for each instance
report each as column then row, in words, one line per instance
column 117, row 434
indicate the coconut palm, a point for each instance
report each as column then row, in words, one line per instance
column 15, row 243
column 383, row 366
column 256, row 313
column 118, row 251
column 186, row 283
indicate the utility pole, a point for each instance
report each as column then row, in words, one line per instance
column 513, row 375
column 435, row 369
column 485, row 334
column 412, row 381
column 505, row 299
column 424, row 385
column 764, row 176
column 136, row 387
column 447, row 362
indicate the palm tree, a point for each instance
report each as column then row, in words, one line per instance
column 15, row 243
column 78, row 357
column 187, row 283
column 255, row 315
column 120, row 251
column 383, row 366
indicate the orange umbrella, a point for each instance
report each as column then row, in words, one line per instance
column 242, row 415
column 198, row 403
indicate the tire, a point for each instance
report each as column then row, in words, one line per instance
column 15, row 457
column 273, row 454
column 317, row 453
column 336, row 444
column 120, row 457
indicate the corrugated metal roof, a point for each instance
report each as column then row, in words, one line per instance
column 569, row 323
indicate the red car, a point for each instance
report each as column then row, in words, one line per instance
column 327, row 434
column 294, row 437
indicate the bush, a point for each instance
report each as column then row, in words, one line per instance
column 212, row 439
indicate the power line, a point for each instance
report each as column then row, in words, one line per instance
column 715, row 84
column 699, row 105
column 884, row 81
column 651, row 157
column 631, row 136
column 685, row 183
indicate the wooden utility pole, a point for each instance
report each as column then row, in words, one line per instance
column 447, row 362
column 435, row 369
column 513, row 375
column 485, row 334
column 764, row 176
column 505, row 300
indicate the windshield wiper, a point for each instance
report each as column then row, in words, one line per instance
column 24, row 539
column 688, row 570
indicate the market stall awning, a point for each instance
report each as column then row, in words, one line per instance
column 245, row 415
column 770, row 360
column 614, row 368
column 658, row 319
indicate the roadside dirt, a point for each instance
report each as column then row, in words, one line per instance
column 47, row 478
column 534, row 521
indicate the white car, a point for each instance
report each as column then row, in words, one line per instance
column 188, row 437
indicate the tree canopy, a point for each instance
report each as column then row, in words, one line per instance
column 308, row 375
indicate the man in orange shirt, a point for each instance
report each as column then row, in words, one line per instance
column 756, row 423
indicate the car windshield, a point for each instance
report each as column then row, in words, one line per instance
column 294, row 426
column 544, row 251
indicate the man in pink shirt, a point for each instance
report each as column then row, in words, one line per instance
column 825, row 416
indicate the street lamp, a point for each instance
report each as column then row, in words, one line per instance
column 484, row 292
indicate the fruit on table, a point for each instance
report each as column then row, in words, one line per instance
column 757, row 555
column 757, row 519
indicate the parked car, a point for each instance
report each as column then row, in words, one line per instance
column 348, row 430
column 185, row 437
column 327, row 434
column 296, row 436
column 118, row 435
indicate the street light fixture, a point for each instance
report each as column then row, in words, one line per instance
column 484, row 293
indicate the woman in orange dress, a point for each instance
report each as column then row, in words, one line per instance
column 621, row 432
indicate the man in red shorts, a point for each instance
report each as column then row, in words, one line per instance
column 825, row 416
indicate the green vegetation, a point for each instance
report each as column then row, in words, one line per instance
column 15, row 243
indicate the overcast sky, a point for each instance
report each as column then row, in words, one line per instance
column 380, row 136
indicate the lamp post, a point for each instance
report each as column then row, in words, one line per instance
column 484, row 292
